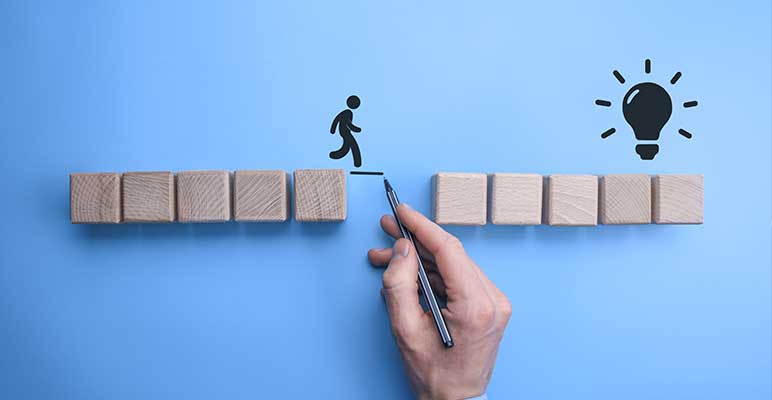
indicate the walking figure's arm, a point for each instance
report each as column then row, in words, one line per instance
column 353, row 127
column 334, row 124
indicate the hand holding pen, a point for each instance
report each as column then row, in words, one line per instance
column 477, row 312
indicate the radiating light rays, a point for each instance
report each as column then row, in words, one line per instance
column 607, row 133
column 690, row 104
column 675, row 78
column 647, row 68
column 619, row 77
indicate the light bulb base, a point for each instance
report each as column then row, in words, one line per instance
column 647, row 151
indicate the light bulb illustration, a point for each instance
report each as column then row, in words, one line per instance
column 647, row 108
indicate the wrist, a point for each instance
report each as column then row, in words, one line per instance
column 452, row 394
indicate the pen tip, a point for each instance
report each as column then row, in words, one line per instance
column 386, row 183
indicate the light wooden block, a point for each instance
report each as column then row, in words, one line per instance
column 148, row 196
column 260, row 196
column 203, row 196
column 95, row 198
column 460, row 198
column 625, row 199
column 571, row 200
column 320, row 195
column 516, row 199
column 678, row 199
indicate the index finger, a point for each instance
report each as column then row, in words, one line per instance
column 455, row 266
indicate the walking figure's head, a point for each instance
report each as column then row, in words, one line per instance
column 352, row 102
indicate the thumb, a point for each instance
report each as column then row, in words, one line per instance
column 400, row 288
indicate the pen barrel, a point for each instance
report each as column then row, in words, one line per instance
column 431, row 300
column 423, row 279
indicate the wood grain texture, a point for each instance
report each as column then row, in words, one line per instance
column 678, row 199
column 625, row 199
column 320, row 195
column 460, row 198
column 203, row 196
column 571, row 200
column 95, row 198
column 148, row 196
column 260, row 196
column 516, row 199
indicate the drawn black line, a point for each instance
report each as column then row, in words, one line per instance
column 366, row 173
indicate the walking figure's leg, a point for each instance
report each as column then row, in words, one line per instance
column 355, row 151
column 341, row 152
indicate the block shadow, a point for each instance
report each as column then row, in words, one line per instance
column 185, row 230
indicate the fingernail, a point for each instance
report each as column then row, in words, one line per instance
column 401, row 249
column 406, row 206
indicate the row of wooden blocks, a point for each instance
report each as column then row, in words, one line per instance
column 569, row 200
column 320, row 196
column 206, row 196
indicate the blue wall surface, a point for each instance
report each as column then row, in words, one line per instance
column 245, row 311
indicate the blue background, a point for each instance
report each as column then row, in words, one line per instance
column 253, row 311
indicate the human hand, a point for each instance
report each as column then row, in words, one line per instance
column 477, row 311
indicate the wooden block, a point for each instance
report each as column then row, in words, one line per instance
column 625, row 199
column 148, row 197
column 460, row 198
column 320, row 195
column 95, row 198
column 678, row 199
column 203, row 196
column 516, row 199
column 260, row 196
column 571, row 200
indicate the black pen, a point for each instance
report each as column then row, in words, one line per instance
column 423, row 280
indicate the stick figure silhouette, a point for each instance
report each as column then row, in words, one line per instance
column 343, row 121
